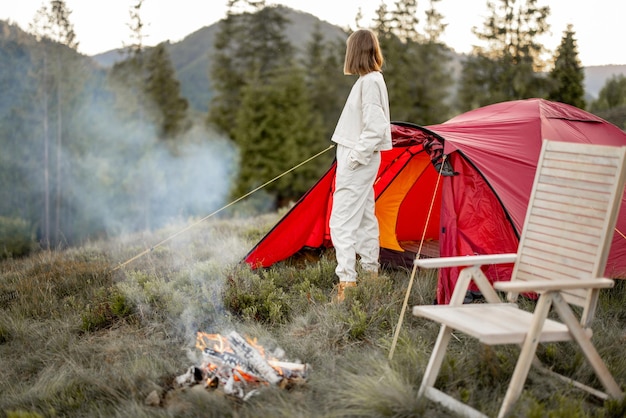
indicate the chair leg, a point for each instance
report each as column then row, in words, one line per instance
column 436, row 359
column 443, row 339
column 584, row 341
column 527, row 354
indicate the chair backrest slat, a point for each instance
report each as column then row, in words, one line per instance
column 571, row 216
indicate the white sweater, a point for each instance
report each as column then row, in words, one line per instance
column 364, row 124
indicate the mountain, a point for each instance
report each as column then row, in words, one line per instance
column 190, row 56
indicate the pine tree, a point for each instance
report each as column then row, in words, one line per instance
column 248, row 44
column 166, row 105
column 478, row 83
column 226, row 79
column 60, row 82
column 435, row 80
column 276, row 129
column 416, row 64
column 508, row 67
column 127, row 82
column 400, row 62
column 21, row 162
column 327, row 86
column 265, row 49
column 405, row 21
column 568, row 74
column 135, row 47
column 126, row 77
column 262, row 102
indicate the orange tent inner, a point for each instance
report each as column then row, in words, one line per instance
column 402, row 208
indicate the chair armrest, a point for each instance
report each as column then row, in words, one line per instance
column 465, row 260
column 547, row 285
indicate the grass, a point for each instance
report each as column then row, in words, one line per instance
column 80, row 337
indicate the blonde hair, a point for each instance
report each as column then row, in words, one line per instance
column 363, row 54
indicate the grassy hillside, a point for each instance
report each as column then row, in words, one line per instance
column 79, row 337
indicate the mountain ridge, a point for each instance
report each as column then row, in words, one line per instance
column 191, row 56
column 193, row 72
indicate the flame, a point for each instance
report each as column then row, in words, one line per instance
column 258, row 347
column 204, row 340
column 221, row 345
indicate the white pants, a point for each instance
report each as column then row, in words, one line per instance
column 353, row 223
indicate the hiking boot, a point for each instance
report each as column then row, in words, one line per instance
column 341, row 290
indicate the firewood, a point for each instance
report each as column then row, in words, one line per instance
column 252, row 358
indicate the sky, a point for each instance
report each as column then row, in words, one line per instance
column 102, row 25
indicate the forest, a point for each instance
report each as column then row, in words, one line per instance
column 91, row 151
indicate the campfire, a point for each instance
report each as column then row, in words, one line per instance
column 240, row 366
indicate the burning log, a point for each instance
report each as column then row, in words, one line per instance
column 240, row 367
column 253, row 359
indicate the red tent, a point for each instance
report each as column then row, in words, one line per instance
column 481, row 210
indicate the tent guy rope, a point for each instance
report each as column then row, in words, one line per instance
column 148, row 250
column 411, row 279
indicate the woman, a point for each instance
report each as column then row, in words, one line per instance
column 362, row 132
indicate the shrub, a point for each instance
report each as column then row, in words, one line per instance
column 16, row 237
column 252, row 296
column 110, row 306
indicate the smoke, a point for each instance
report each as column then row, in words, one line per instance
column 117, row 179
column 209, row 256
column 131, row 186
column 129, row 180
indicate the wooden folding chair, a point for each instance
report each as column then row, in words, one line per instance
column 561, row 256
